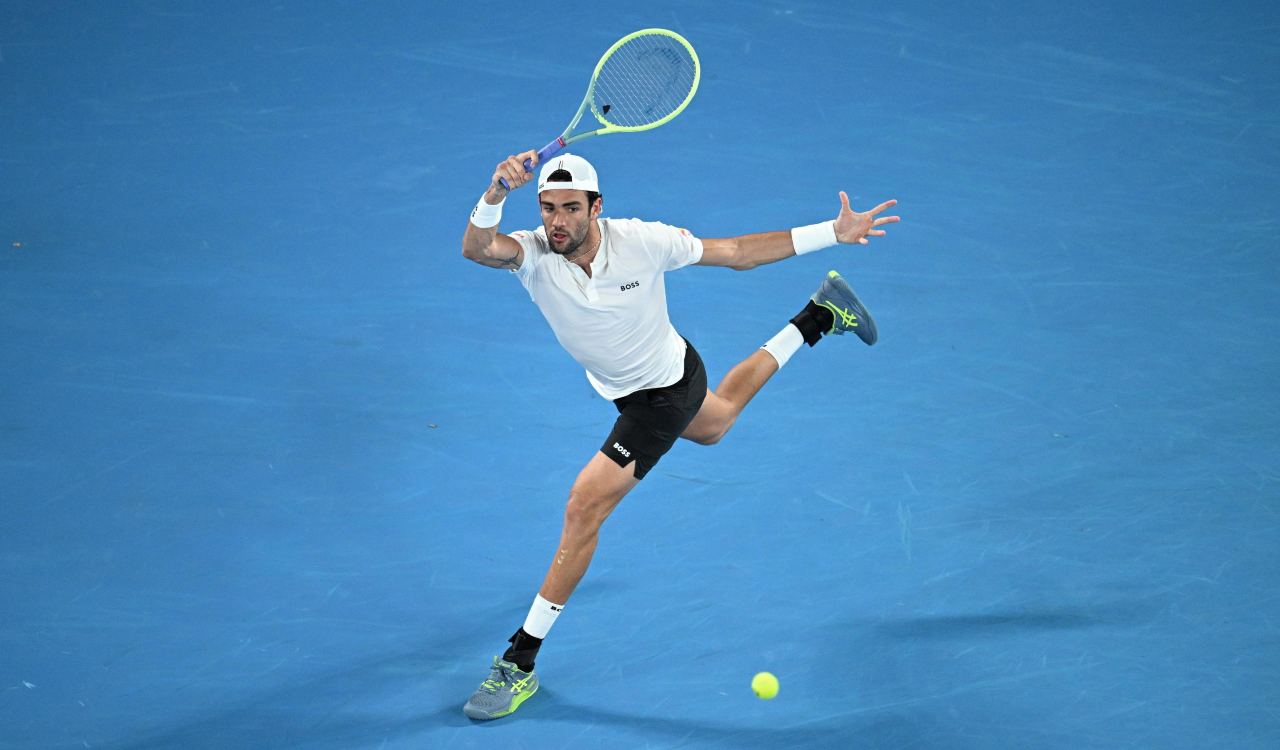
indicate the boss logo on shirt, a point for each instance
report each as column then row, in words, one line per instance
column 625, row 453
column 632, row 285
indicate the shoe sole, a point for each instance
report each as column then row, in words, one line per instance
column 519, row 699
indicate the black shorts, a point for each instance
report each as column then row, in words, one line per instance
column 650, row 420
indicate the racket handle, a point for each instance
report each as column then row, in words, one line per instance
column 544, row 153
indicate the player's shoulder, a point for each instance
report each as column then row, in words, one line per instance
column 642, row 228
column 531, row 235
column 535, row 246
column 532, row 240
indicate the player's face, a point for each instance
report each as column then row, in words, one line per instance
column 567, row 218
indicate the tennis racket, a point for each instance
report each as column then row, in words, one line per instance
column 644, row 80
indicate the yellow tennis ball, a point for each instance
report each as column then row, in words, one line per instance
column 765, row 686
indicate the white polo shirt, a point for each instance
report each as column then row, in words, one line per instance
column 613, row 322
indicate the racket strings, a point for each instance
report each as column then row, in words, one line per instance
column 643, row 81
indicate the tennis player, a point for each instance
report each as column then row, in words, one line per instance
column 599, row 283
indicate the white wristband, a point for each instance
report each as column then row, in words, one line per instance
column 486, row 215
column 813, row 237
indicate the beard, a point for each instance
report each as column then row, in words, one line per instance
column 572, row 242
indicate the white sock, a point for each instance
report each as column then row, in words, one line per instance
column 542, row 615
column 783, row 345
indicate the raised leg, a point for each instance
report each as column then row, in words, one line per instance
column 722, row 406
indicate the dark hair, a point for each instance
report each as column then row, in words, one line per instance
column 562, row 175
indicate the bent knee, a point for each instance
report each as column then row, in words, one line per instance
column 587, row 511
column 713, row 435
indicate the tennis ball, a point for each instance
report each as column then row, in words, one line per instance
column 765, row 686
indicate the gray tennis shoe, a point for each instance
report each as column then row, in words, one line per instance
column 836, row 295
column 501, row 694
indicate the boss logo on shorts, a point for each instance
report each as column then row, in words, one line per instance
column 632, row 285
column 625, row 453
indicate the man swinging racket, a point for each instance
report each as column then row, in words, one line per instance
column 599, row 283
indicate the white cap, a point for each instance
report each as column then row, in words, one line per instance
column 583, row 174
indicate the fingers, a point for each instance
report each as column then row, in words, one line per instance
column 870, row 233
column 864, row 239
column 844, row 206
column 503, row 174
column 886, row 220
column 883, row 206
column 512, row 170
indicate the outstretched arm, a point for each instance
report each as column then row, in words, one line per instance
column 484, row 244
column 750, row 250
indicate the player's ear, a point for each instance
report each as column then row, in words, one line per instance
column 597, row 206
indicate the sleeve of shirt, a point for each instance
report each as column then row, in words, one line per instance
column 532, row 253
column 675, row 247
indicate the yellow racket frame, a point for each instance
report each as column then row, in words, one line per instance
column 588, row 101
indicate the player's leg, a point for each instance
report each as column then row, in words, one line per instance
column 596, row 492
column 648, row 424
column 723, row 405
column 834, row 308
column 599, row 488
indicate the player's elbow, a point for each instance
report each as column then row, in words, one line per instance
column 729, row 254
column 474, row 245
column 470, row 252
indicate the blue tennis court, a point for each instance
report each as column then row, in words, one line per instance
column 281, row 469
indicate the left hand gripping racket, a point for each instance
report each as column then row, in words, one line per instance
column 644, row 80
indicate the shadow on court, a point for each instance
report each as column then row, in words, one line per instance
column 1000, row 624
column 339, row 709
column 848, row 731
column 348, row 710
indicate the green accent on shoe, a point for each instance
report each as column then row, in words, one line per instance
column 840, row 317
column 501, row 694
column 847, row 311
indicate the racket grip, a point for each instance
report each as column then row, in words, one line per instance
column 544, row 153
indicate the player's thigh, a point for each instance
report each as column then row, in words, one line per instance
column 603, row 482
column 710, row 422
